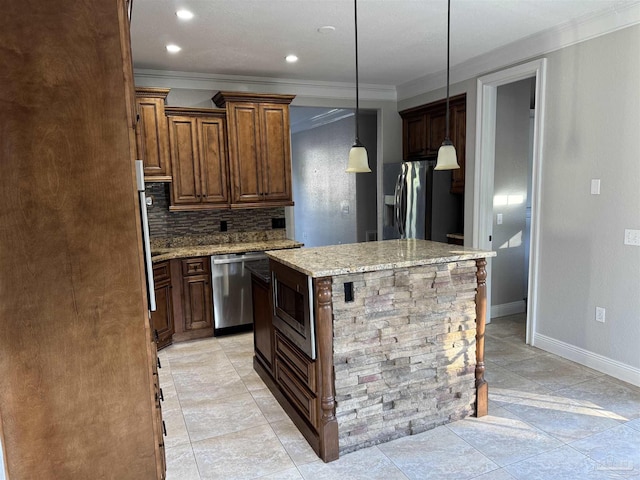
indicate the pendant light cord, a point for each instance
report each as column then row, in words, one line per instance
column 448, row 35
column 355, row 7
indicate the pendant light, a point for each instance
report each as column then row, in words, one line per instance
column 447, row 158
column 358, row 159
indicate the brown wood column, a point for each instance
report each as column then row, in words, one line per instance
column 328, row 428
column 482, row 388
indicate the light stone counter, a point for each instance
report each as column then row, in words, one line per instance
column 373, row 256
column 169, row 253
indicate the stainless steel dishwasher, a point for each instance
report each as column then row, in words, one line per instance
column 231, row 285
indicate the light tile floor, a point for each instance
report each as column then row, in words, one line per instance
column 549, row 419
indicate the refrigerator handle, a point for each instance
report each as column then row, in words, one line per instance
column 399, row 194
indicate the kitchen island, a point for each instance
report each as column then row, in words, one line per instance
column 378, row 340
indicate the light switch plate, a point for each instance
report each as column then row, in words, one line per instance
column 631, row 237
column 595, row 186
column 499, row 219
column 600, row 314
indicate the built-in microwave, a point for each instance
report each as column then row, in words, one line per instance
column 293, row 307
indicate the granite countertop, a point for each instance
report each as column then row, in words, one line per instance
column 168, row 253
column 371, row 256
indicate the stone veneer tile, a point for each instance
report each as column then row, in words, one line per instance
column 404, row 351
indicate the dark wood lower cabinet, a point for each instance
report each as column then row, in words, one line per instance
column 162, row 318
column 262, row 325
column 192, row 297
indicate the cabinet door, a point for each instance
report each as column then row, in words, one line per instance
column 414, row 132
column 262, row 322
column 185, row 164
column 458, row 122
column 275, row 152
column 213, row 160
column 151, row 134
column 162, row 318
column 244, row 152
column 196, row 303
column 436, row 130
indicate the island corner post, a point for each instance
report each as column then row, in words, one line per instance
column 328, row 441
column 482, row 387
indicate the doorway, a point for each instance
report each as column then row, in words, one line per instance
column 331, row 206
column 484, row 180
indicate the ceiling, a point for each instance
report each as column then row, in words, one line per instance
column 399, row 40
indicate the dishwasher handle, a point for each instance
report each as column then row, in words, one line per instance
column 242, row 257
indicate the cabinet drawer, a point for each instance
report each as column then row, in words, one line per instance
column 297, row 362
column 299, row 395
column 161, row 272
column 195, row 266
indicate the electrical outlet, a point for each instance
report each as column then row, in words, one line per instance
column 600, row 314
column 595, row 186
column 631, row 237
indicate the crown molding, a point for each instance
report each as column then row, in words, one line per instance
column 299, row 88
column 565, row 35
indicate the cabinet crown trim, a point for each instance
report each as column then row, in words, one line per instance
column 152, row 92
column 195, row 112
column 438, row 103
column 222, row 98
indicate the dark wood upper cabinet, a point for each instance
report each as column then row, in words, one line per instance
column 424, row 129
column 197, row 140
column 259, row 148
column 151, row 133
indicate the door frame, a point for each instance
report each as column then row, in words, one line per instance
column 487, row 92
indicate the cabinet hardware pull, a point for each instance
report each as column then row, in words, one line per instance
column 156, row 336
column 164, row 429
column 158, row 363
column 161, row 395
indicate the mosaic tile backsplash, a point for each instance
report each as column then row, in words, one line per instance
column 164, row 224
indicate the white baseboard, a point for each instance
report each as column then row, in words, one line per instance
column 589, row 359
column 507, row 309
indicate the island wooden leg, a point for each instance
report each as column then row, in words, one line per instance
column 482, row 388
column 324, row 331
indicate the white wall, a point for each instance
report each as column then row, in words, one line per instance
column 510, row 195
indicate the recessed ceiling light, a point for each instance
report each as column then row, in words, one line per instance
column 184, row 14
column 291, row 58
column 327, row 29
column 173, row 48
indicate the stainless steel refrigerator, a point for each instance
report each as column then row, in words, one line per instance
column 418, row 202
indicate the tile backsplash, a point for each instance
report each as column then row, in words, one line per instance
column 166, row 224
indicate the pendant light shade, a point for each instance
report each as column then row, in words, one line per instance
column 358, row 158
column 447, row 158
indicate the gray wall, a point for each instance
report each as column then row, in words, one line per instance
column 330, row 207
column 592, row 131
column 510, row 193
